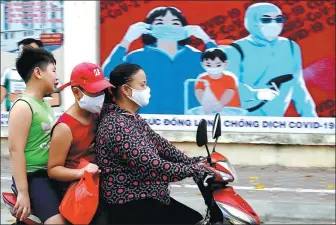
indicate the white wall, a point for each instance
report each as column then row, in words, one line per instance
column 81, row 39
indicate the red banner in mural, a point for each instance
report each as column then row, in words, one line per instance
column 310, row 24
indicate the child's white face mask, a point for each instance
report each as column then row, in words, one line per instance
column 214, row 70
column 92, row 104
column 214, row 67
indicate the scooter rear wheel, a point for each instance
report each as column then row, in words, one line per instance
column 18, row 222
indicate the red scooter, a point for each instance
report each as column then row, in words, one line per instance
column 10, row 201
column 224, row 205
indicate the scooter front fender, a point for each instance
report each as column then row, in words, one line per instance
column 234, row 207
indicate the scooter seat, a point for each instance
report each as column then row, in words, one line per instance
column 9, row 198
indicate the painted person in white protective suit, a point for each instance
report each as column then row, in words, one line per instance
column 269, row 67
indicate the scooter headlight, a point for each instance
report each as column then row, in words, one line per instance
column 227, row 165
column 225, row 176
column 233, row 213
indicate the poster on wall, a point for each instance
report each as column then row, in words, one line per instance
column 239, row 58
column 28, row 24
column 290, row 125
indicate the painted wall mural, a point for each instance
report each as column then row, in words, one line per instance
column 239, row 58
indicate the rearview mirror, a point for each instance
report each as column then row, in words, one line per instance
column 201, row 135
column 216, row 128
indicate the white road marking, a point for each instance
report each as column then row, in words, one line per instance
column 276, row 189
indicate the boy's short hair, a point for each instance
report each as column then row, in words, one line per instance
column 213, row 53
column 30, row 58
column 28, row 41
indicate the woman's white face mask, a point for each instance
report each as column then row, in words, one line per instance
column 140, row 97
column 92, row 104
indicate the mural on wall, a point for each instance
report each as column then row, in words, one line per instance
column 28, row 24
column 253, row 58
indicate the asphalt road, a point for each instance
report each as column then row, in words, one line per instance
column 279, row 195
column 6, row 218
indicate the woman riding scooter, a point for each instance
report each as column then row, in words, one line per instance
column 137, row 164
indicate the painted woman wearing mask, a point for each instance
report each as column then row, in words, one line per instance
column 138, row 164
column 269, row 67
column 166, row 57
column 74, row 132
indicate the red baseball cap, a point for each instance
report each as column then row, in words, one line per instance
column 88, row 76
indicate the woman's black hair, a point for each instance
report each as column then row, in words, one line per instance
column 212, row 54
column 147, row 39
column 121, row 74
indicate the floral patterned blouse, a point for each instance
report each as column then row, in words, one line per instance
column 136, row 162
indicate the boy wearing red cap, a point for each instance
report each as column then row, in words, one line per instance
column 74, row 132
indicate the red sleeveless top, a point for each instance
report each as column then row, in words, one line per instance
column 82, row 146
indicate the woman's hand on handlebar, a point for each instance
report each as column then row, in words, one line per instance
column 205, row 174
column 209, row 175
column 201, row 160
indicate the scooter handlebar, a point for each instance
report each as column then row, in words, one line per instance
column 208, row 177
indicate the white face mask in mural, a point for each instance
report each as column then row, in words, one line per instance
column 92, row 104
column 140, row 97
column 271, row 31
column 214, row 70
column 169, row 33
